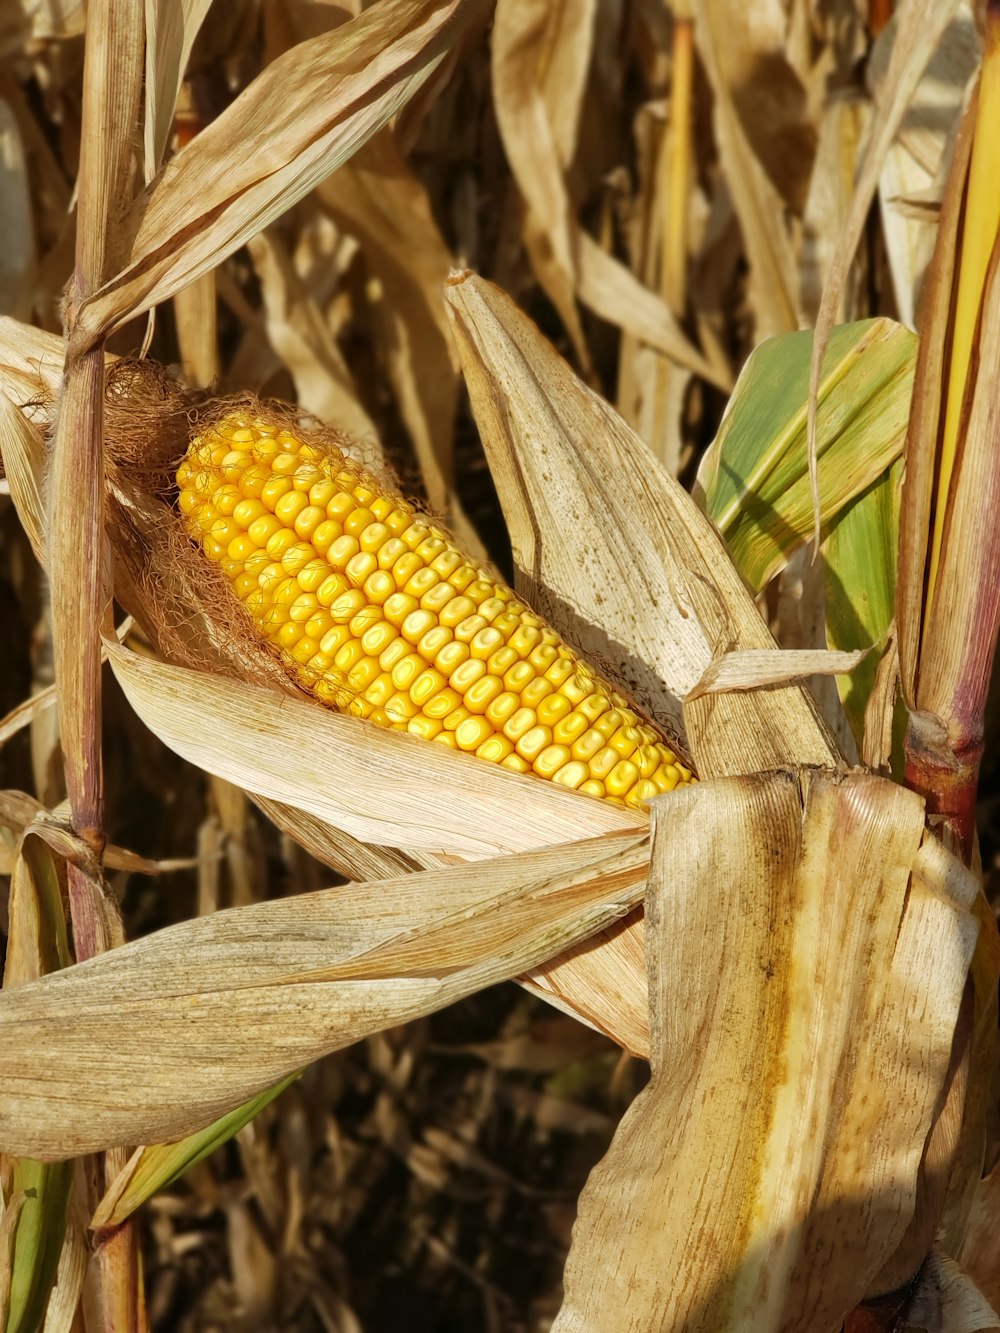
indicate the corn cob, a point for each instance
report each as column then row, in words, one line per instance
column 377, row 613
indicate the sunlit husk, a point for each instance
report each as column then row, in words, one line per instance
column 822, row 948
column 200, row 1017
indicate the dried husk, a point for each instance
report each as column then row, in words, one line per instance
column 199, row 1017
column 822, row 948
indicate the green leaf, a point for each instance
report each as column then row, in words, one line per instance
column 860, row 577
column 754, row 480
column 37, row 944
column 38, row 1240
column 154, row 1168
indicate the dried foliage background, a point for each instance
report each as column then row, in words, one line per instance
column 661, row 186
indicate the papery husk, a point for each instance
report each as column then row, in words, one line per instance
column 215, row 194
column 615, row 552
column 620, row 559
column 821, row 948
column 160, row 1036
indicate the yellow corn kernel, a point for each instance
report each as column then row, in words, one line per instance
column 436, row 598
column 502, row 707
column 406, row 670
column 622, row 778
column 451, row 657
column 519, row 677
column 428, row 728
column 442, row 704
column 465, row 676
column 376, row 612
column 472, row 732
column 400, row 709
column 381, row 690
column 433, row 641
column 572, row 774
column 395, row 652
column 533, row 742
column 426, row 685
column 456, row 611
column 535, row 691
column 571, row 727
column 398, row 606
column 416, row 625
column 455, row 718
column 550, row 760
column 481, row 693
column 515, row 762
column 518, row 723
column 603, row 762
column 553, row 708
column 325, row 534
column 495, row 748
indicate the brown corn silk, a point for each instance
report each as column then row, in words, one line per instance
column 373, row 609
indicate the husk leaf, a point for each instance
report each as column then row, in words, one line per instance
column 613, row 551
column 774, row 1157
column 197, row 1018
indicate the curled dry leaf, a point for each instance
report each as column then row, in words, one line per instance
column 540, row 60
column 378, row 199
column 171, row 28
column 921, row 23
column 17, row 261
column 158, row 1037
column 728, row 38
column 300, row 336
column 822, row 948
column 764, row 667
column 948, row 1301
column 911, row 180
column 300, row 118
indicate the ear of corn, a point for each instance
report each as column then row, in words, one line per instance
column 376, row 612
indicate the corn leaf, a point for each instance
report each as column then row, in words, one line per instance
column 41, row 1225
column 37, row 945
column 300, row 118
column 155, row 1168
column 157, row 1038
column 860, row 585
column 754, row 480
column 171, row 28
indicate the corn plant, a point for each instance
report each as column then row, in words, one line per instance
column 703, row 776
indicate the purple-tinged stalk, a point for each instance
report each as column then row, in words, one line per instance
column 948, row 598
column 78, row 567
